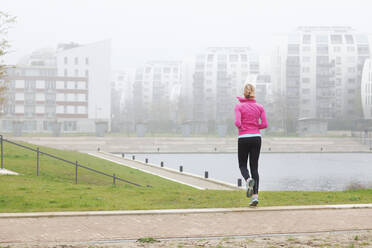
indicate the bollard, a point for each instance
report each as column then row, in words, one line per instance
column 114, row 178
column 206, row 174
column 269, row 149
column 122, row 155
column 158, row 149
column 321, row 149
column 239, row 182
column 146, row 160
column 161, row 164
column 133, row 157
column 181, row 168
column 215, row 149
column 98, row 149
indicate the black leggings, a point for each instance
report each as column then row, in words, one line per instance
column 249, row 147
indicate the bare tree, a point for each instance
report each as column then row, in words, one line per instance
column 6, row 22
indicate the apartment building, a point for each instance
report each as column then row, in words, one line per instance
column 318, row 71
column 46, row 93
column 154, row 88
column 219, row 76
column 366, row 90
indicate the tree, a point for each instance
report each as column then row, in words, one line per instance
column 6, row 22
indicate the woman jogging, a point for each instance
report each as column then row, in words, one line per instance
column 247, row 116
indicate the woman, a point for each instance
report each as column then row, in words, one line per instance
column 247, row 116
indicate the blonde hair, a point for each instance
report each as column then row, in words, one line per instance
column 249, row 91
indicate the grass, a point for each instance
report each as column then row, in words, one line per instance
column 55, row 188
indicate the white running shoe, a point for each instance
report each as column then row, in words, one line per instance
column 249, row 186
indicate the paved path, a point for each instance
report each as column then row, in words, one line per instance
column 130, row 225
column 170, row 174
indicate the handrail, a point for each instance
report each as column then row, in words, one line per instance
column 63, row 160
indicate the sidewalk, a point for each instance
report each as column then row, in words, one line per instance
column 167, row 173
column 69, row 227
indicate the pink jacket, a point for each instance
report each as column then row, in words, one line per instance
column 247, row 115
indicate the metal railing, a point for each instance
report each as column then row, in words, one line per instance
column 76, row 164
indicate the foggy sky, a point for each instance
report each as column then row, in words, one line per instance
column 172, row 29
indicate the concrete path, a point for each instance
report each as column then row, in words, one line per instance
column 7, row 172
column 130, row 225
column 167, row 173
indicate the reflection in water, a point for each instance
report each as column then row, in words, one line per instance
column 287, row 171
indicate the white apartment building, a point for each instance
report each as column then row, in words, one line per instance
column 93, row 62
column 366, row 90
column 153, row 86
column 220, row 74
column 318, row 71
column 51, row 90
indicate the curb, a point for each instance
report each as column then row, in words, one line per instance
column 181, row 211
column 232, row 187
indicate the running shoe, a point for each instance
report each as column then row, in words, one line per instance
column 249, row 185
column 254, row 201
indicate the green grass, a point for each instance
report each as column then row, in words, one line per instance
column 55, row 188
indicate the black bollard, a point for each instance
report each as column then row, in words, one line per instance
column 181, row 168
column 239, row 182
column 206, row 174
column 98, row 149
column 122, row 155
column 161, row 164
column 133, row 157
column 146, row 160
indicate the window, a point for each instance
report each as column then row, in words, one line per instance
column 233, row 58
column 86, row 73
column 210, row 57
column 60, row 97
column 76, row 60
column 166, row 70
column 65, row 72
column 321, row 39
column 243, row 57
column 351, row 70
column 350, row 49
column 306, row 39
column 76, row 72
column 65, row 60
column 361, row 39
column 87, row 61
column 349, row 39
column 221, row 57
column 306, row 49
column 336, row 39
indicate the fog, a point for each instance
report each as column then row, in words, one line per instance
column 142, row 30
column 177, row 66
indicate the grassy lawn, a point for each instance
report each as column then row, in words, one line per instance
column 55, row 188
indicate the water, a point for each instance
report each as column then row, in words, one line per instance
column 284, row 171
